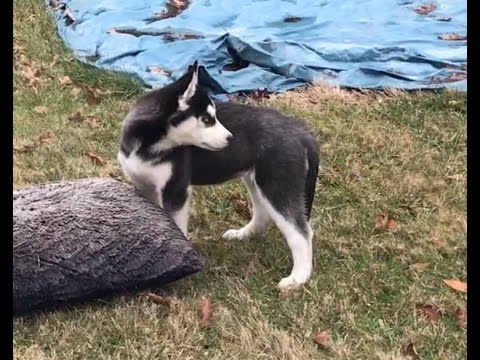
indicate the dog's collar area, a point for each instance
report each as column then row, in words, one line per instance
column 155, row 156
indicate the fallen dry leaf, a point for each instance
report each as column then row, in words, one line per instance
column 65, row 80
column 24, row 147
column 41, row 109
column 179, row 4
column 29, row 145
column 457, row 285
column 461, row 317
column 93, row 122
column 425, row 9
column 236, row 98
column 157, row 70
column 206, row 311
column 170, row 36
column 94, row 157
column 259, row 94
column 95, row 96
column 456, row 77
column 157, row 299
column 186, row 36
column 419, row 266
column 70, row 15
column 79, row 118
column 453, row 37
column 385, row 222
column 173, row 8
column 54, row 3
column 392, row 224
column 242, row 209
column 92, row 97
column 54, row 61
column 410, row 352
column 322, row 338
column 75, row 91
column 241, row 206
column 31, row 74
column 47, row 138
column 430, row 312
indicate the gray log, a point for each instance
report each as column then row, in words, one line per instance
column 82, row 239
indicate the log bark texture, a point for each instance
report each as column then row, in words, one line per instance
column 78, row 240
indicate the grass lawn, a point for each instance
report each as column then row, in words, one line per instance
column 376, row 292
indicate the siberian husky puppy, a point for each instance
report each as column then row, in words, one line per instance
column 176, row 137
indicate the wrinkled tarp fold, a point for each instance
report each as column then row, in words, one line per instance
column 273, row 44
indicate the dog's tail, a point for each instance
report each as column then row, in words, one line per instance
column 313, row 161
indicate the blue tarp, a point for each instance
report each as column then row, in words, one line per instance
column 274, row 44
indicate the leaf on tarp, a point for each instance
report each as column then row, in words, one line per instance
column 174, row 8
column 452, row 37
column 425, row 9
column 158, row 70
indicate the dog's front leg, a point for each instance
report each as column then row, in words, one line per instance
column 180, row 210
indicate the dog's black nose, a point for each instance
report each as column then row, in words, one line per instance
column 230, row 138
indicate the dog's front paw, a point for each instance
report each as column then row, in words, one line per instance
column 293, row 282
column 236, row 234
column 288, row 283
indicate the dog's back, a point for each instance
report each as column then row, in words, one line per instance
column 263, row 138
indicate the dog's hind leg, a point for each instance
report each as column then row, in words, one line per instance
column 260, row 218
column 283, row 196
column 300, row 244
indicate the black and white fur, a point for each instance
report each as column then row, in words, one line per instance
column 176, row 137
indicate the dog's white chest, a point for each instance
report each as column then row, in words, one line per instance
column 145, row 173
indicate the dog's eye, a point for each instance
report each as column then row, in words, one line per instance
column 207, row 121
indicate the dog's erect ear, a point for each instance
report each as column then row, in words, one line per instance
column 193, row 67
column 191, row 88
